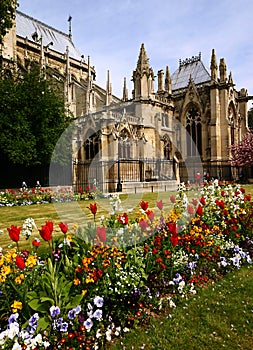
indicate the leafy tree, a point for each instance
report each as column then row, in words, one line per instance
column 32, row 118
column 7, row 15
column 242, row 152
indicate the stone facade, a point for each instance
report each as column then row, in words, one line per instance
column 152, row 140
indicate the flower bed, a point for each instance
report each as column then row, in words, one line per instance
column 95, row 283
column 39, row 195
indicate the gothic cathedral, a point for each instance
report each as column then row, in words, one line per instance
column 151, row 140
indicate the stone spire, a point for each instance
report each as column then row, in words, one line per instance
column 223, row 70
column 214, row 66
column 108, row 90
column 230, row 79
column 168, row 83
column 143, row 76
column 160, row 80
column 143, row 61
column 89, row 92
column 125, row 92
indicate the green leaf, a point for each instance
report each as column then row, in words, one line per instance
column 36, row 305
column 74, row 301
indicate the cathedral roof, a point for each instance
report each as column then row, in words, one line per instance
column 27, row 26
column 191, row 67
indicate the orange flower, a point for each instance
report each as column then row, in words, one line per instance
column 76, row 281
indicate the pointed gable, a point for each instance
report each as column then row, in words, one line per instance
column 26, row 26
column 191, row 67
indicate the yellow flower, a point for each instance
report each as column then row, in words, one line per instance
column 18, row 280
column 69, row 238
column 31, row 261
column 17, row 305
column 1, row 260
column 6, row 270
column 89, row 280
column 84, row 291
column 76, row 281
column 10, row 255
column 2, row 279
column 75, row 226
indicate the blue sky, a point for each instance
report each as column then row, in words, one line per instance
column 111, row 33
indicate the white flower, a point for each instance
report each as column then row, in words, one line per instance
column 98, row 301
column 13, row 330
column 16, row 346
column 108, row 334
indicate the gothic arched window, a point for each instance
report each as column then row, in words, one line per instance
column 194, row 137
column 231, row 121
column 167, row 148
column 124, row 145
column 91, row 146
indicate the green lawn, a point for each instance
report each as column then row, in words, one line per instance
column 73, row 212
column 218, row 317
column 77, row 212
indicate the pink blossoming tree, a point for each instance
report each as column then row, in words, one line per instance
column 242, row 152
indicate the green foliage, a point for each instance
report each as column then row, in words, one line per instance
column 32, row 118
column 7, row 15
column 53, row 288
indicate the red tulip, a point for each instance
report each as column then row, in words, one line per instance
column 144, row 205
column 199, row 210
column 190, row 209
column 174, row 239
column 202, row 200
column 172, row 199
column 93, row 208
column 45, row 233
column 172, row 227
column 20, row 262
column 14, row 232
column 143, row 224
column 123, row 219
column 159, row 205
column 36, row 242
column 63, row 227
column 50, row 225
column 150, row 214
column 194, row 201
column 101, row 234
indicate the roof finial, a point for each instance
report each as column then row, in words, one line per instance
column 108, row 90
column 125, row 92
column 70, row 27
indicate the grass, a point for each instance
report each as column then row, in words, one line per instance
column 72, row 212
column 77, row 212
column 218, row 317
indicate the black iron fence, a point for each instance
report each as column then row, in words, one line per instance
column 109, row 175
column 219, row 170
